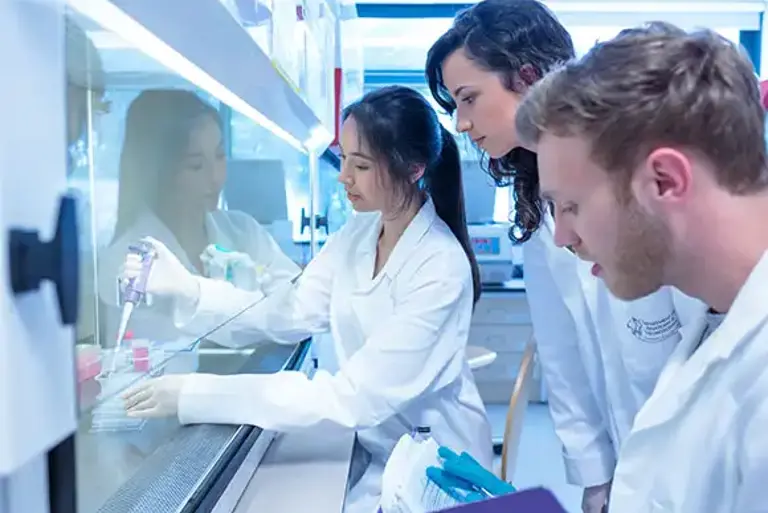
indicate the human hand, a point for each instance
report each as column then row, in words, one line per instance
column 463, row 478
column 595, row 498
column 158, row 397
column 235, row 267
column 168, row 276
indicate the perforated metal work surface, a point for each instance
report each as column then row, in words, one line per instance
column 172, row 472
column 186, row 466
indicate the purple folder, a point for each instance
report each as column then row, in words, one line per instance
column 534, row 500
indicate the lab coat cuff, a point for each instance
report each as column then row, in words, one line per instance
column 193, row 405
column 208, row 399
column 590, row 471
column 203, row 316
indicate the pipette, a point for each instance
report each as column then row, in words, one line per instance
column 134, row 291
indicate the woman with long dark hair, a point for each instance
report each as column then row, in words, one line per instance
column 395, row 286
column 600, row 356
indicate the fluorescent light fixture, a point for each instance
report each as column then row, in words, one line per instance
column 115, row 20
column 319, row 139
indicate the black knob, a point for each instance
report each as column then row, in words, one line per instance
column 32, row 260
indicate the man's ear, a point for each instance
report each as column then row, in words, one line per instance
column 668, row 174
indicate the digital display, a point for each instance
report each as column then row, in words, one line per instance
column 486, row 245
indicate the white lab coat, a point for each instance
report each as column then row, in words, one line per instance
column 233, row 230
column 399, row 338
column 699, row 444
column 600, row 356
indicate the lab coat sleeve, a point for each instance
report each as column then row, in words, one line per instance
column 264, row 250
column 752, row 494
column 288, row 314
column 413, row 352
column 588, row 452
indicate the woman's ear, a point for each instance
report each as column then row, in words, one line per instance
column 526, row 77
column 417, row 173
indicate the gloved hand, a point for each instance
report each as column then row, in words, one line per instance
column 233, row 266
column 158, row 397
column 168, row 276
column 217, row 262
column 464, row 479
column 595, row 498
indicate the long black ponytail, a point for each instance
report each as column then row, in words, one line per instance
column 402, row 129
column 443, row 180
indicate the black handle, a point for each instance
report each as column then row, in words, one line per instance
column 304, row 220
column 320, row 221
column 32, row 260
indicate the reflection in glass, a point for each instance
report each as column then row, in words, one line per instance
column 172, row 171
column 253, row 149
column 149, row 157
column 334, row 205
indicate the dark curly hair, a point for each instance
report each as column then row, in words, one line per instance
column 517, row 39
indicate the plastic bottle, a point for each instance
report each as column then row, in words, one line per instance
column 139, row 352
column 421, row 434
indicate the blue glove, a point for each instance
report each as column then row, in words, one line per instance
column 464, row 479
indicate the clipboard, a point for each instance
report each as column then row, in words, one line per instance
column 534, row 500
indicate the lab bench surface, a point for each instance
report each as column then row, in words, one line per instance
column 315, row 464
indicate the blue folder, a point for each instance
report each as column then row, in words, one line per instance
column 534, row 500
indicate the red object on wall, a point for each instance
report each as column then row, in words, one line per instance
column 337, row 76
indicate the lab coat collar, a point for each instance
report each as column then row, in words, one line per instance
column 401, row 252
column 689, row 366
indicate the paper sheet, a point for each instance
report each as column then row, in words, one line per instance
column 405, row 486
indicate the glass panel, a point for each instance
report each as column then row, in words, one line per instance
column 251, row 144
column 333, row 207
column 151, row 156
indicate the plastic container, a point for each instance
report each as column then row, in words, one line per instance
column 114, row 361
column 88, row 357
column 110, row 414
column 139, row 348
column 216, row 263
column 421, row 434
column 140, row 353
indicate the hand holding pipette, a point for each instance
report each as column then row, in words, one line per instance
column 150, row 268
